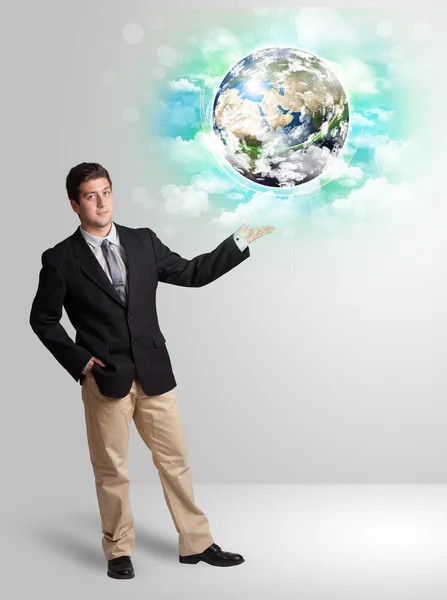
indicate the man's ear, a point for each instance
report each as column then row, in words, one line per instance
column 73, row 203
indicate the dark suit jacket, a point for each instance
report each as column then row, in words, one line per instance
column 126, row 338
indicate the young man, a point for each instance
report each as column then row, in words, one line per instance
column 106, row 275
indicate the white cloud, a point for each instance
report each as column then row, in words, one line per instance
column 209, row 81
column 366, row 139
column 192, row 200
column 208, row 181
column 376, row 196
column 397, row 157
column 321, row 217
column 355, row 76
column 351, row 177
column 341, row 172
column 376, row 199
column 193, row 154
column 187, row 201
column 290, row 170
column 265, row 207
column 359, row 119
column 183, row 85
column 382, row 115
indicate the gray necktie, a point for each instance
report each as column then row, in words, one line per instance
column 115, row 271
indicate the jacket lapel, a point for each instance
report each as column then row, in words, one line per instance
column 91, row 267
column 132, row 249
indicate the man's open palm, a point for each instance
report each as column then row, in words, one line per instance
column 250, row 235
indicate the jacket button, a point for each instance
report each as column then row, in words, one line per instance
column 134, row 343
column 130, row 317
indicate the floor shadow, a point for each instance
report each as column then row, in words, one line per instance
column 72, row 546
column 155, row 544
column 78, row 547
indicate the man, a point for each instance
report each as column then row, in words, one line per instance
column 105, row 275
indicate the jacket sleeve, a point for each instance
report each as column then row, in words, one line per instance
column 46, row 312
column 198, row 271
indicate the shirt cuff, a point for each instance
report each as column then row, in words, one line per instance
column 241, row 242
column 85, row 368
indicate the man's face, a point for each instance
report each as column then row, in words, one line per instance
column 95, row 203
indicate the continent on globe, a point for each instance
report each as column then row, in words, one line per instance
column 282, row 117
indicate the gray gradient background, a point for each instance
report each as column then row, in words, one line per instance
column 318, row 360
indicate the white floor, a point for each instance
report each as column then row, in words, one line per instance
column 303, row 542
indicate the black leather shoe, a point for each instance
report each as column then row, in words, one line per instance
column 213, row 555
column 120, row 568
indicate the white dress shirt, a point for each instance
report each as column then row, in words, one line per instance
column 117, row 248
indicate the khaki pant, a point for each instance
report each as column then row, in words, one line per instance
column 158, row 421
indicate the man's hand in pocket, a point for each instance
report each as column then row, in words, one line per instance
column 88, row 372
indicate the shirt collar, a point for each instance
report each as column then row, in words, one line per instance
column 96, row 241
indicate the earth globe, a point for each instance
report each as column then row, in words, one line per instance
column 281, row 116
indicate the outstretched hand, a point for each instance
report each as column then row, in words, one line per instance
column 250, row 235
